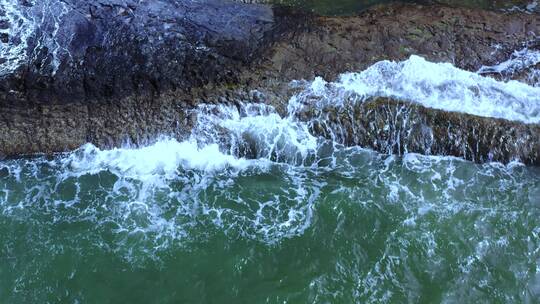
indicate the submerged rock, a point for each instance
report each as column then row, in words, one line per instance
column 112, row 71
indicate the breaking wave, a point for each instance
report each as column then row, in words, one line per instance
column 246, row 172
column 375, row 226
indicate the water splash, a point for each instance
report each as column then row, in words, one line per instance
column 518, row 61
column 434, row 85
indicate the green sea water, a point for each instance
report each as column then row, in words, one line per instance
column 353, row 226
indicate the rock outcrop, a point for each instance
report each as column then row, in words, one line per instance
column 112, row 71
column 89, row 51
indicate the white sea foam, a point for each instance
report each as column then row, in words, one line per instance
column 216, row 144
column 436, row 85
column 154, row 195
column 532, row 6
column 24, row 22
column 247, row 172
column 163, row 157
column 255, row 131
column 519, row 60
column 19, row 30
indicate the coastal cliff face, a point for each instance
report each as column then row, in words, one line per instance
column 111, row 71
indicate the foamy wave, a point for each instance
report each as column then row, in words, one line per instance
column 519, row 60
column 163, row 157
column 255, row 131
column 153, row 197
column 435, row 85
column 247, row 172
column 142, row 201
column 225, row 137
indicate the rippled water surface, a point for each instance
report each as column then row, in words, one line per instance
column 367, row 228
column 252, row 208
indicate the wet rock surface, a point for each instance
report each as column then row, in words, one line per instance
column 352, row 7
column 64, row 127
column 110, row 71
column 396, row 127
column 113, row 71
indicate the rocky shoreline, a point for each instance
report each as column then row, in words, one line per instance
column 112, row 71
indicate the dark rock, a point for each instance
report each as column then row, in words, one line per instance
column 108, row 71
column 4, row 24
column 86, row 51
column 4, row 172
column 468, row 38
